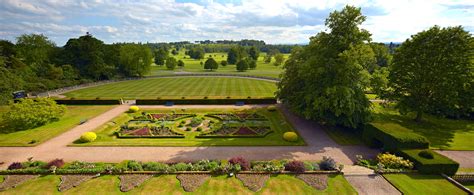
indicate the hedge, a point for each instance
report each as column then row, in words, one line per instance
column 439, row 164
column 393, row 140
column 87, row 101
column 206, row 101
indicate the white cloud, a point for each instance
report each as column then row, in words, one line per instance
column 275, row 21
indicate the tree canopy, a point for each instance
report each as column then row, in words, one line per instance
column 433, row 73
column 211, row 64
column 324, row 80
column 135, row 60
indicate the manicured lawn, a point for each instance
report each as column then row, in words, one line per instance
column 344, row 136
column 194, row 66
column 72, row 118
column 422, row 184
column 168, row 184
column 277, row 122
column 177, row 87
column 442, row 133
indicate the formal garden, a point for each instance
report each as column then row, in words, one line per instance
column 265, row 126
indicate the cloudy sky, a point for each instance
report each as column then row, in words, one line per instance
column 274, row 21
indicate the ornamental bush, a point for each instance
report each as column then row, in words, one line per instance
column 133, row 109
column 327, row 164
column 290, row 136
column 244, row 163
column 295, row 166
column 426, row 154
column 88, row 137
column 58, row 163
column 15, row 165
column 155, row 166
column 390, row 161
column 30, row 113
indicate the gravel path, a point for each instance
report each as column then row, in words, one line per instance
column 319, row 145
column 464, row 158
column 371, row 185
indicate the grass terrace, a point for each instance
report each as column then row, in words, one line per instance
column 422, row 184
column 33, row 137
column 196, row 127
column 168, row 184
column 178, row 87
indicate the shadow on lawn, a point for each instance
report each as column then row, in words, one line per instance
column 319, row 145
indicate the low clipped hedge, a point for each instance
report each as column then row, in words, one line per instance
column 206, row 101
column 437, row 165
column 87, row 101
column 393, row 140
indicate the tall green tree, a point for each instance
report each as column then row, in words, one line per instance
column 171, row 63
column 379, row 82
column 236, row 54
column 433, row 73
column 279, row 59
column 34, row 49
column 161, row 55
column 211, row 64
column 324, row 81
column 242, row 65
column 135, row 59
column 382, row 54
column 86, row 53
column 254, row 53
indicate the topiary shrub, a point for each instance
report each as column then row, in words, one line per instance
column 58, row 163
column 290, row 136
column 426, row 154
column 88, row 137
column 327, row 164
column 244, row 164
column 295, row 166
column 133, row 109
column 439, row 164
column 15, row 165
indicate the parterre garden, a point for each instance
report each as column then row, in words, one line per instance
column 196, row 127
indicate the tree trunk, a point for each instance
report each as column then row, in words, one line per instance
column 418, row 116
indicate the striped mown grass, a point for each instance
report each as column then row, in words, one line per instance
column 178, row 87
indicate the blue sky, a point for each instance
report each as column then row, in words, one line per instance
column 274, row 21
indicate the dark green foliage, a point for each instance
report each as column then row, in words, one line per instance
column 382, row 54
column 243, row 65
column 428, row 154
column 252, row 64
column 254, row 53
column 393, row 140
column 432, row 73
column 31, row 113
column 224, row 63
column 161, row 55
column 279, row 58
column 211, row 64
column 174, row 52
column 236, row 54
column 437, row 165
column 171, row 63
column 34, row 49
column 206, row 101
column 325, row 81
column 180, row 63
column 196, row 53
column 135, row 59
column 327, row 164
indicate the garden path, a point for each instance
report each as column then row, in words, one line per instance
column 464, row 158
column 319, row 145
column 371, row 184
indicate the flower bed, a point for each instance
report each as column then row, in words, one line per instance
column 128, row 182
column 168, row 117
column 191, row 182
column 254, row 182
column 242, row 131
column 70, row 181
column 11, row 181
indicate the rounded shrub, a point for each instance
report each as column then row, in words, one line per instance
column 290, row 136
column 426, row 154
column 295, row 166
column 244, row 163
column 88, row 137
column 15, row 165
column 133, row 109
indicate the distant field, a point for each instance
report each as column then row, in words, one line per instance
column 194, row 66
column 189, row 87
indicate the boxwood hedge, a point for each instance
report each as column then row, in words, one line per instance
column 437, row 165
column 87, row 101
column 206, row 101
column 393, row 140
